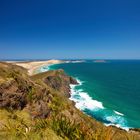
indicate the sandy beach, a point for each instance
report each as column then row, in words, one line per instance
column 34, row 65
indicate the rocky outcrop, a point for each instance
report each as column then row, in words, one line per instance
column 61, row 82
column 73, row 81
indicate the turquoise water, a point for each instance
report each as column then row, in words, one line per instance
column 110, row 92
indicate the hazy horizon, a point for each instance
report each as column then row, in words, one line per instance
column 73, row 59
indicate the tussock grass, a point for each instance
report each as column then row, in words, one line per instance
column 18, row 125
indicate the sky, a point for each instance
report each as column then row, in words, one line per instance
column 75, row 29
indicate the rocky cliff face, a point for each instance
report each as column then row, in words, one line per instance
column 18, row 92
column 61, row 82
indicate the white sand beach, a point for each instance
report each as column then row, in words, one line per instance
column 34, row 65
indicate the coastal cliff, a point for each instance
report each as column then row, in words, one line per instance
column 38, row 107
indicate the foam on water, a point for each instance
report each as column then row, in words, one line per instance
column 117, row 121
column 118, row 113
column 84, row 101
column 44, row 68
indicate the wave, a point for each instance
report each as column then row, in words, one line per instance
column 44, row 68
column 95, row 108
column 118, row 113
column 83, row 100
column 117, row 121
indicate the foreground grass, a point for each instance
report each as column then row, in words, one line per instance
column 18, row 125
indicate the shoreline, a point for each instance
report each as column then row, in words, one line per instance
column 80, row 105
column 33, row 66
column 96, row 104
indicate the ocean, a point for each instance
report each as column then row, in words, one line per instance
column 109, row 92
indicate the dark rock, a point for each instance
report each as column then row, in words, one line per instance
column 73, row 81
column 61, row 82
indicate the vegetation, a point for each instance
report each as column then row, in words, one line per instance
column 38, row 108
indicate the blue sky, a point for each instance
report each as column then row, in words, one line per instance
column 43, row 29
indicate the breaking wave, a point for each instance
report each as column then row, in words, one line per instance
column 95, row 108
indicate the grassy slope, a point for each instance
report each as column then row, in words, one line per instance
column 64, row 120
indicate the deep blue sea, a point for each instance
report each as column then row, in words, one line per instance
column 109, row 92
